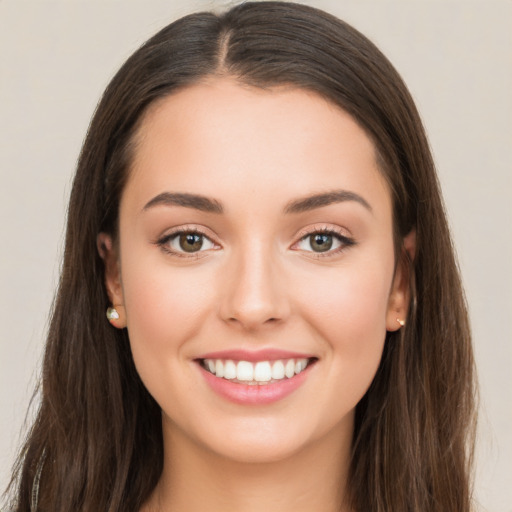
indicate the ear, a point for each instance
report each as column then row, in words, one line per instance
column 113, row 284
column 400, row 295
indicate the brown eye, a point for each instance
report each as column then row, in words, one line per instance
column 186, row 242
column 321, row 242
column 326, row 243
column 191, row 242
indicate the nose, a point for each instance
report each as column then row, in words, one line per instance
column 254, row 292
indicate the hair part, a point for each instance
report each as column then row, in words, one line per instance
column 97, row 441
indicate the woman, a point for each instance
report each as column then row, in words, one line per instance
column 257, row 211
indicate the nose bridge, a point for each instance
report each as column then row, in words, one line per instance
column 255, row 294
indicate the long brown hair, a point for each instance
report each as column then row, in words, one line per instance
column 96, row 444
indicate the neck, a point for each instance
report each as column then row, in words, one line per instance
column 196, row 479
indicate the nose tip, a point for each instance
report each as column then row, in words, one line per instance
column 254, row 296
column 252, row 316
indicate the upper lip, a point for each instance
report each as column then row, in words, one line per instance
column 269, row 354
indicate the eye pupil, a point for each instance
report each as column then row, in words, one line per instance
column 191, row 242
column 321, row 242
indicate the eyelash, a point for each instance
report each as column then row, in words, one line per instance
column 345, row 242
column 164, row 242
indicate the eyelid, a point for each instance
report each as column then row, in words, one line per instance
column 323, row 228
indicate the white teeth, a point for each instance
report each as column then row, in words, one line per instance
column 289, row 369
column 230, row 370
column 219, row 368
column 300, row 365
column 244, row 371
column 262, row 371
column 255, row 373
column 278, row 370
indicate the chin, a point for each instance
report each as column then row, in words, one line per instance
column 268, row 440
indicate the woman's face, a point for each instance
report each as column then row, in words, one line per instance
column 255, row 230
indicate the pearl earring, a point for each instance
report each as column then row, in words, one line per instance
column 112, row 314
column 401, row 322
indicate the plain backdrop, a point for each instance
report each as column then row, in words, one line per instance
column 56, row 57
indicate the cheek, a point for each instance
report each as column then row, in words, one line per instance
column 349, row 316
column 351, row 301
column 165, row 307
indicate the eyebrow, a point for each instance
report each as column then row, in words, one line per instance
column 325, row 199
column 197, row 202
column 210, row 205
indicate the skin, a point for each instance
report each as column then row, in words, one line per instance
column 257, row 284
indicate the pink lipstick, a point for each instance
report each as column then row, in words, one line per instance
column 258, row 377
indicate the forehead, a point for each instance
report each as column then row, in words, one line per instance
column 221, row 138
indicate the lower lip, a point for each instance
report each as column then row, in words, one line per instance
column 257, row 394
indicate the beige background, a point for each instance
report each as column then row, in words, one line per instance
column 57, row 56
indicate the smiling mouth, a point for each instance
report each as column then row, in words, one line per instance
column 256, row 373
